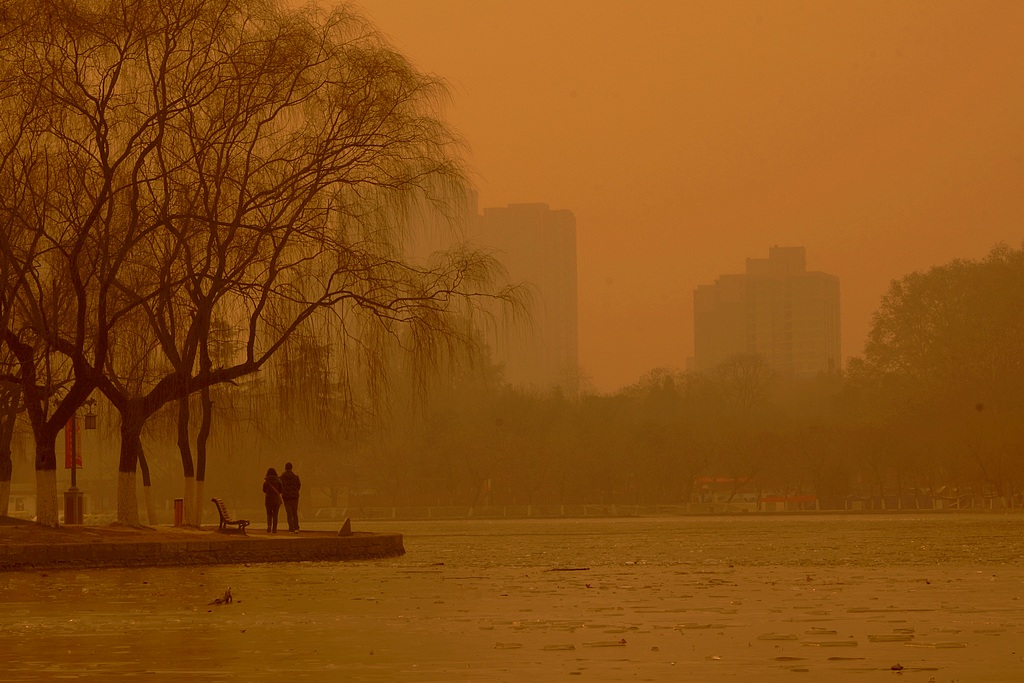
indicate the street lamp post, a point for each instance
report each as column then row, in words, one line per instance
column 73, row 496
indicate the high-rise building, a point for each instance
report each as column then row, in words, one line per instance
column 777, row 309
column 537, row 246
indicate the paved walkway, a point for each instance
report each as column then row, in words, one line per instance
column 28, row 546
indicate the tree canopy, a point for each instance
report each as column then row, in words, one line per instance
column 954, row 333
column 171, row 167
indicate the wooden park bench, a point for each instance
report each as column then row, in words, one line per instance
column 225, row 518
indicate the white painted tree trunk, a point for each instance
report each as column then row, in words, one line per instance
column 189, row 502
column 5, row 498
column 127, row 501
column 199, row 503
column 147, row 493
column 46, row 497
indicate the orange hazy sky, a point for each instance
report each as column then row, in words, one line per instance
column 883, row 136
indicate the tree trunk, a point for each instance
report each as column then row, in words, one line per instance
column 147, row 495
column 9, row 406
column 6, row 469
column 190, row 503
column 147, row 488
column 203, row 437
column 199, row 504
column 127, row 501
column 187, row 467
column 131, row 450
column 46, row 480
column 46, row 497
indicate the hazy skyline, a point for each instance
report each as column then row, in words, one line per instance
column 685, row 137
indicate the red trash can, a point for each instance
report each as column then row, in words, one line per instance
column 179, row 511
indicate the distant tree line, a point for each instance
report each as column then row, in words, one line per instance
column 934, row 408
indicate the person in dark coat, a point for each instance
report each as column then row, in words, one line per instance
column 290, row 486
column 272, row 490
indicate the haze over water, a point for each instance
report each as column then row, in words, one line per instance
column 842, row 597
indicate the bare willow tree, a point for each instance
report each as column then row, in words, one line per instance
column 46, row 260
column 239, row 161
column 10, row 384
column 11, row 273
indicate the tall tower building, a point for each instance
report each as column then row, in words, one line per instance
column 777, row 309
column 537, row 246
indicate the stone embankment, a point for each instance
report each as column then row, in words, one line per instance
column 27, row 546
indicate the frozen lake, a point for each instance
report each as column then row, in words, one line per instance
column 837, row 597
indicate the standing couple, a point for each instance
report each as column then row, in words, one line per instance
column 284, row 488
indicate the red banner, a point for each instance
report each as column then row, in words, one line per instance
column 72, row 444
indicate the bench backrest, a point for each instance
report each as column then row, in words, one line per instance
column 222, row 508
